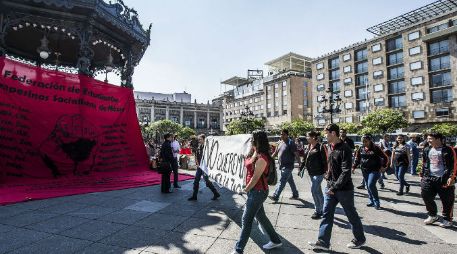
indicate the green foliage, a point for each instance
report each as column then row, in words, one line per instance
column 298, row 127
column 244, row 126
column 186, row 132
column 349, row 127
column 367, row 130
column 384, row 120
column 161, row 127
column 447, row 129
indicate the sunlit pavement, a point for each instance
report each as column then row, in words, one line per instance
column 142, row 220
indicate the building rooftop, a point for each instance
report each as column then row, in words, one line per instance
column 235, row 81
column 289, row 61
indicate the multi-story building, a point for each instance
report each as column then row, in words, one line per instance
column 282, row 95
column 410, row 65
column 203, row 117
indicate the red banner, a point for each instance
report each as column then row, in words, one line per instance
column 55, row 124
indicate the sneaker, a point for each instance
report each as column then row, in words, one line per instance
column 216, row 196
column 400, row 193
column 319, row 245
column 355, row 244
column 316, row 216
column 445, row 223
column 177, row 187
column 370, row 205
column 431, row 219
column 294, row 197
column 235, row 252
column 192, row 198
column 275, row 199
column 407, row 189
column 271, row 245
column 377, row 207
column 361, row 187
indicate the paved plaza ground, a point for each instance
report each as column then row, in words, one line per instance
column 141, row 220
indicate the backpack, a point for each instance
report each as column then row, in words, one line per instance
column 272, row 176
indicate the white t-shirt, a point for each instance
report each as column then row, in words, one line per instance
column 175, row 147
column 436, row 162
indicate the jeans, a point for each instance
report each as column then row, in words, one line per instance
column 430, row 186
column 371, row 177
column 174, row 167
column 286, row 177
column 209, row 184
column 254, row 209
column 316, row 191
column 346, row 199
column 400, row 172
column 413, row 166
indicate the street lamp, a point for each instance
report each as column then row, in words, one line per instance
column 332, row 103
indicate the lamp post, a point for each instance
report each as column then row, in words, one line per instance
column 246, row 114
column 332, row 103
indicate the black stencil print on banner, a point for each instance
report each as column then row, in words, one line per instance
column 71, row 146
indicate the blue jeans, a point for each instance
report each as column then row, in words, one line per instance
column 254, row 209
column 413, row 166
column 371, row 177
column 346, row 199
column 316, row 191
column 286, row 177
column 400, row 172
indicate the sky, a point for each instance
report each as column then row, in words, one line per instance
column 196, row 44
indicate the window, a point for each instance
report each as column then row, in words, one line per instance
column 261, row 106
column 440, row 79
column 348, row 105
column 276, row 104
column 417, row 114
column 334, row 63
column 361, row 55
column 268, row 106
column 361, row 67
column 320, row 76
column 413, row 36
column 276, row 85
column 379, row 87
column 284, row 93
column 335, row 74
column 395, row 58
column 379, row 102
column 335, row 86
column 397, row 87
column 395, row 73
column 442, row 112
column 417, row 81
column 376, row 47
column 362, row 106
column 394, row 44
column 284, row 102
column 377, row 61
column 437, row 28
column 415, row 51
column 276, row 94
column 347, row 81
column 438, row 47
column 362, row 93
column 397, row 101
column 320, row 87
column 415, row 66
column 378, row 74
column 348, row 93
column 348, row 119
column 269, row 87
column 417, row 96
column 346, row 57
column 284, row 84
column 361, row 80
column 442, row 95
column 269, row 96
column 319, row 66
column 321, row 121
column 250, row 100
column 347, row 69
column 284, row 112
column 439, row 63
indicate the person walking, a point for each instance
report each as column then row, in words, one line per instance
column 414, row 151
column 371, row 159
column 340, row 189
column 315, row 162
column 256, row 188
column 176, row 148
column 400, row 161
column 438, row 175
column 386, row 147
column 200, row 173
column 166, row 157
column 287, row 154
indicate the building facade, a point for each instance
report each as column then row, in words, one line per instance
column 204, row 118
column 410, row 65
column 282, row 95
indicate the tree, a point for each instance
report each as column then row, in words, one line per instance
column 159, row 128
column 384, row 120
column 447, row 129
column 245, row 125
column 186, row 132
column 349, row 127
column 366, row 130
column 298, row 127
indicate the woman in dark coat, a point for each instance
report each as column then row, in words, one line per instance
column 166, row 156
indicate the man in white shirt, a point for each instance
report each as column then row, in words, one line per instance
column 175, row 147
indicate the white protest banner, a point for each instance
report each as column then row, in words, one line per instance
column 223, row 160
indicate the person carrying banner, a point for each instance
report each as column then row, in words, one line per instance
column 256, row 188
column 340, row 189
column 438, row 175
column 287, row 154
column 175, row 147
column 200, row 173
column 166, row 156
column 315, row 162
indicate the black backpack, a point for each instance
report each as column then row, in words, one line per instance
column 272, row 176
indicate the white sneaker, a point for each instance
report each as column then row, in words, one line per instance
column 235, row 252
column 271, row 245
column 445, row 223
column 431, row 219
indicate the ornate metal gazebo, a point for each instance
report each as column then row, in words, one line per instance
column 89, row 37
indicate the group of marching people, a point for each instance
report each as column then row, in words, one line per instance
column 335, row 163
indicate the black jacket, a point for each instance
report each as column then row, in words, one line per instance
column 315, row 160
column 449, row 161
column 199, row 153
column 166, row 153
column 339, row 171
column 349, row 142
column 372, row 159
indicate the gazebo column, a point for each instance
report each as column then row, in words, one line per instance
column 86, row 54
